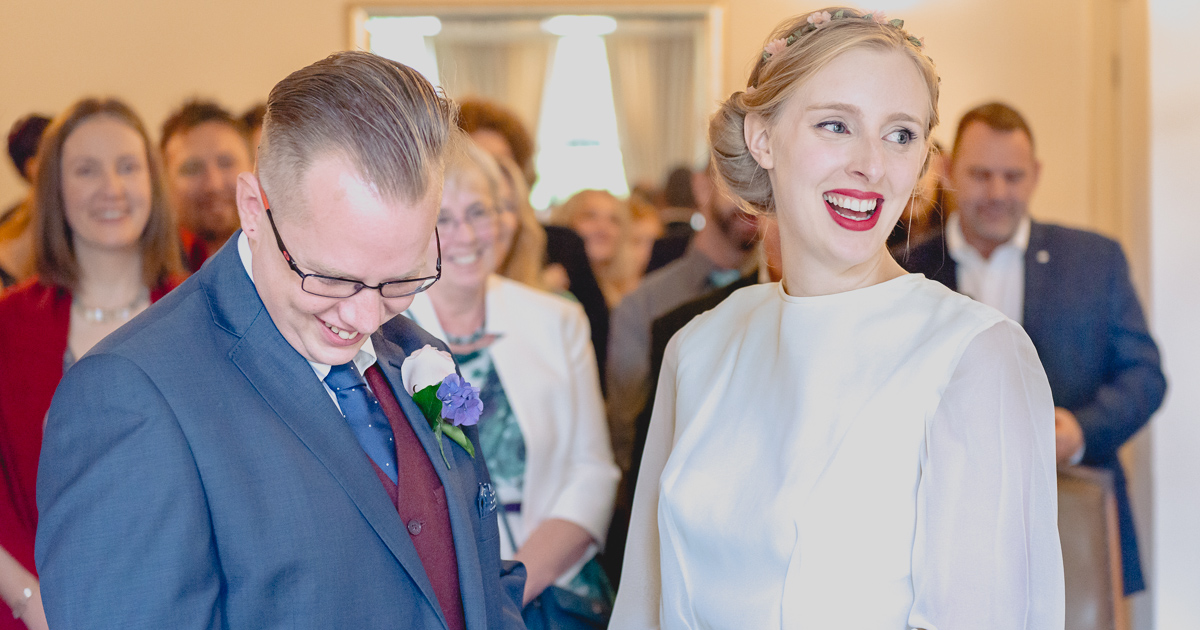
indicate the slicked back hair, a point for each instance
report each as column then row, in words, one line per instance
column 382, row 117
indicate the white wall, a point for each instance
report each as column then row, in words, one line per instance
column 1175, row 230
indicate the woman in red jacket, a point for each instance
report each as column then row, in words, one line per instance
column 105, row 248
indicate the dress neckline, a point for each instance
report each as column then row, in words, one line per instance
column 880, row 290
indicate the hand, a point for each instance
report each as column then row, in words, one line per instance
column 1068, row 436
column 550, row 550
column 555, row 279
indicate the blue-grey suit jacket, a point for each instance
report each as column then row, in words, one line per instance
column 196, row 474
column 1084, row 318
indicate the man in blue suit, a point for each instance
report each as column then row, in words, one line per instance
column 246, row 454
column 1070, row 289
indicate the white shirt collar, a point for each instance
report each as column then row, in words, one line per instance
column 366, row 354
column 959, row 248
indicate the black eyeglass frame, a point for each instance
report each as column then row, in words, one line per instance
column 426, row 281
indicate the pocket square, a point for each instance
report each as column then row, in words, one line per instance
column 486, row 501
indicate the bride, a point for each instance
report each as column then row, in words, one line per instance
column 854, row 447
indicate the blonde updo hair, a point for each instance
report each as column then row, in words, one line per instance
column 774, row 79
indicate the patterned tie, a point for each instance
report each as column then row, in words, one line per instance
column 364, row 415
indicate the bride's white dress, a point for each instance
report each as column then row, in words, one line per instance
column 877, row 459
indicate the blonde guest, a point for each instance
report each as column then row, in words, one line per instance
column 521, row 241
column 543, row 434
column 604, row 223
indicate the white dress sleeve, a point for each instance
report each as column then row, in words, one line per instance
column 986, row 552
column 639, row 598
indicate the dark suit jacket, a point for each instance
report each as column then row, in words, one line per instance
column 196, row 474
column 1086, row 322
column 565, row 247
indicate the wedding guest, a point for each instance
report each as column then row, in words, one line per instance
column 855, row 446
column 521, row 240
column 500, row 133
column 16, row 243
column 104, row 248
column 645, row 228
column 542, row 434
column 252, row 124
column 679, row 197
column 720, row 253
column 924, row 218
column 204, row 150
column 606, row 225
column 1069, row 289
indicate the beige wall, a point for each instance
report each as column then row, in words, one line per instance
column 156, row 53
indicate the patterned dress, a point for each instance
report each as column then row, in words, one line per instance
column 504, row 451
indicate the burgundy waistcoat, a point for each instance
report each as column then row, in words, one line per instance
column 420, row 500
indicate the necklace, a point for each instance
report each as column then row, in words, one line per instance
column 97, row 315
column 469, row 339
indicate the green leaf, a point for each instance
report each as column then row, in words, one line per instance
column 839, row 15
column 427, row 401
column 437, row 433
column 897, row 23
column 460, row 438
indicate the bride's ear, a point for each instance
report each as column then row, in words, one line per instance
column 758, row 140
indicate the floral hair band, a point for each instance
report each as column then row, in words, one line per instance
column 817, row 21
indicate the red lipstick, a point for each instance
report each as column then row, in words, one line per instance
column 843, row 216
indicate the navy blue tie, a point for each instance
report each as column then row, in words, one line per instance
column 364, row 415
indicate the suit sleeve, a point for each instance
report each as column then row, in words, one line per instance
column 124, row 539
column 1123, row 404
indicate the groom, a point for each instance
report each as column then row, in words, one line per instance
column 246, row 454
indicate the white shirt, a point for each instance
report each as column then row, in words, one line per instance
column 366, row 354
column 999, row 280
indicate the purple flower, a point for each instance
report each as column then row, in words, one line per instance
column 461, row 405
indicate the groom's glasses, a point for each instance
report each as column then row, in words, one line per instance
column 334, row 287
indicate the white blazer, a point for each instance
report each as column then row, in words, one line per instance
column 544, row 358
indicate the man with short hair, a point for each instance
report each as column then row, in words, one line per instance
column 247, row 453
column 204, row 148
column 1070, row 289
column 16, row 237
column 720, row 253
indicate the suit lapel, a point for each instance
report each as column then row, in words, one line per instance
column 458, row 481
column 1037, row 276
column 288, row 385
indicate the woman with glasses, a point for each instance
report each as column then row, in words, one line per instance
column 105, row 247
column 543, row 432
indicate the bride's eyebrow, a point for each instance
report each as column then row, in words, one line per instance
column 842, row 107
column 856, row 111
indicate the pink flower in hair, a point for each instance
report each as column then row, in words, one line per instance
column 818, row 19
column 774, row 47
column 879, row 17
